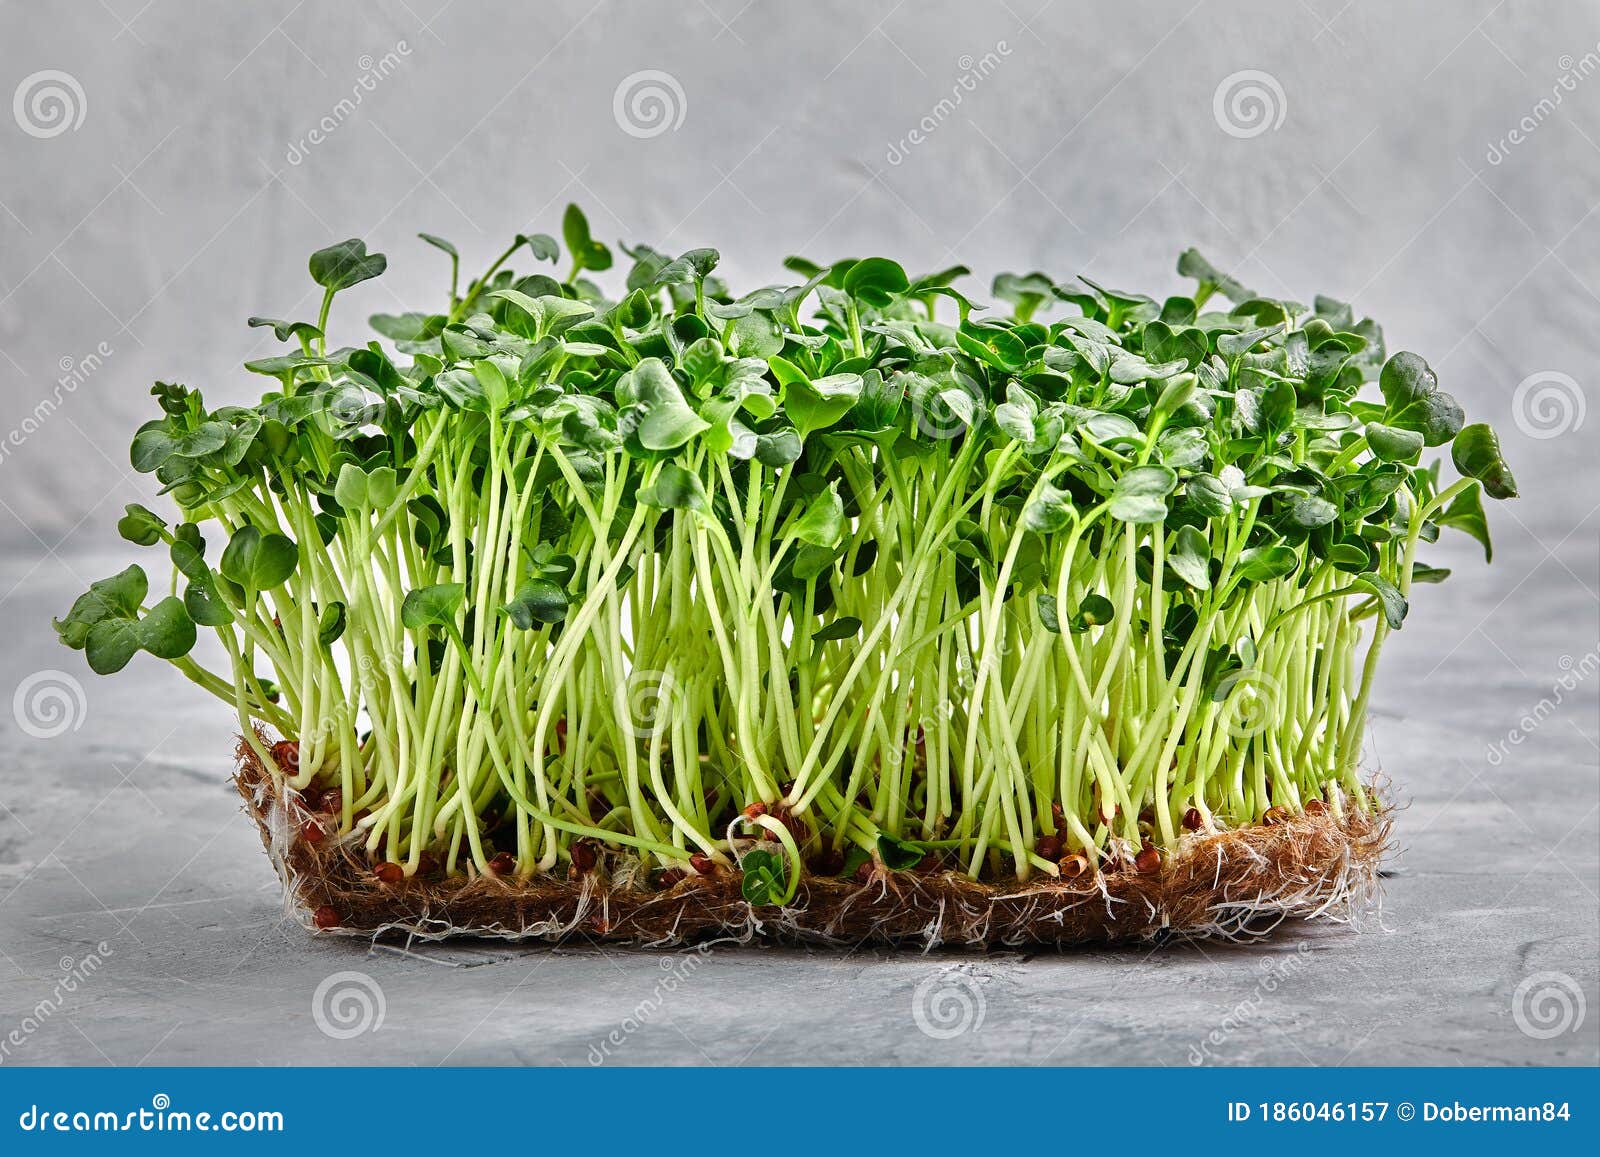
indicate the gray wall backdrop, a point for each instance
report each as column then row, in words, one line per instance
column 1086, row 138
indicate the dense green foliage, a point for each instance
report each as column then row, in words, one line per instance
column 919, row 580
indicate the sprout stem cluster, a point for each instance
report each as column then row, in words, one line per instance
column 845, row 571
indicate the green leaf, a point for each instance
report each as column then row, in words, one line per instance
column 111, row 644
column 764, row 877
column 285, row 330
column 1050, row 511
column 1476, row 453
column 1264, row 563
column 141, row 526
column 440, row 243
column 259, row 562
column 876, row 281
column 536, row 601
column 1049, row 613
column 823, row 523
column 1465, row 513
column 1309, row 511
column 1192, row 264
column 844, row 627
column 1392, row 444
column 1415, row 402
column 204, row 605
column 665, row 420
column 779, row 448
column 167, row 632
column 587, row 253
column 675, row 489
column 899, row 855
column 1190, row 557
column 434, row 606
column 755, row 335
column 1140, row 494
column 331, row 623
column 1094, row 611
column 345, row 264
column 1209, row 495
column 817, row 405
column 1390, row 600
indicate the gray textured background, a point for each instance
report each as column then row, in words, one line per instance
column 188, row 197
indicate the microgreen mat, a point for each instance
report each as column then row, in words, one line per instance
column 853, row 570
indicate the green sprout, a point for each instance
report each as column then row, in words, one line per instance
column 842, row 573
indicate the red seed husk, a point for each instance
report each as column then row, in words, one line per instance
column 1193, row 820
column 1148, row 861
column 1049, row 847
column 286, row 754
column 702, row 864
column 325, row 917
column 503, row 864
column 389, row 872
column 1275, row 815
column 1072, row 866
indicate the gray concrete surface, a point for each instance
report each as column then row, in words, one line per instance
column 185, row 199
column 123, row 830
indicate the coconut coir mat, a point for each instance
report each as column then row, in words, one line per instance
column 1234, row 884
